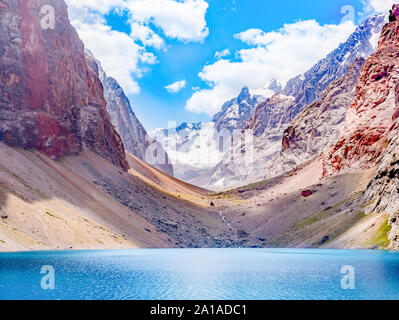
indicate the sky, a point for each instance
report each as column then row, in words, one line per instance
column 180, row 60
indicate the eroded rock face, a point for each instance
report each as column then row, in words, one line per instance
column 382, row 194
column 318, row 125
column 134, row 136
column 50, row 99
column 373, row 113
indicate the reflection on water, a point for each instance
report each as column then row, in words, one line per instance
column 201, row 274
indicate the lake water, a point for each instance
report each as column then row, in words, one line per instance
column 176, row 274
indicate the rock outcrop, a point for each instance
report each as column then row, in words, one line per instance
column 50, row 100
column 382, row 193
column 373, row 114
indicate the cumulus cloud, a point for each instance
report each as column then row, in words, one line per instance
column 182, row 20
column 120, row 56
column 125, row 57
column 146, row 35
column 381, row 5
column 176, row 86
column 101, row 6
column 279, row 55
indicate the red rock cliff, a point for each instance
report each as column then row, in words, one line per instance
column 49, row 99
column 374, row 111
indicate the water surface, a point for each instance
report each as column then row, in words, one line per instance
column 175, row 274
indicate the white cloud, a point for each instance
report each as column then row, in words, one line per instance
column 222, row 54
column 101, row 6
column 183, row 20
column 147, row 36
column 281, row 54
column 125, row 57
column 119, row 54
column 381, row 5
column 176, row 86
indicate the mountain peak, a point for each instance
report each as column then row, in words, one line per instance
column 244, row 95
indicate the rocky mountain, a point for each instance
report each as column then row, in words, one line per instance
column 369, row 138
column 50, row 100
column 309, row 87
column 271, row 118
column 253, row 147
column 134, row 136
column 374, row 111
column 236, row 112
column 197, row 148
column 318, row 125
column 65, row 179
column 192, row 147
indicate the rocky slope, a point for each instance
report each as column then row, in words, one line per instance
column 50, row 99
column 383, row 191
column 246, row 160
column 73, row 186
column 85, row 202
column 370, row 134
column 318, row 125
column 134, row 136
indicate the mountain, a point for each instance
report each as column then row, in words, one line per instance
column 134, row 136
column 318, row 125
column 65, row 179
column 310, row 86
column 193, row 149
column 271, row 118
column 50, row 99
column 374, row 111
column 236, row 112
column 196, row 149
column 369, row 138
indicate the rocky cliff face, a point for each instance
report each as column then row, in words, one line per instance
column 383, row 191
column 50, row 99
column 133, row 134
column 374, row 111
column 318, row 125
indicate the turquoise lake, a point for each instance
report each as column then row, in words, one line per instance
column 201, row 274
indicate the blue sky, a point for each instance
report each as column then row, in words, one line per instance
column 186, row 51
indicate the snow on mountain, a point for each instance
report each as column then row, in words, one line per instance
column 318, row 125
column 272, row 117
column 236, row 112
column 196, row 149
